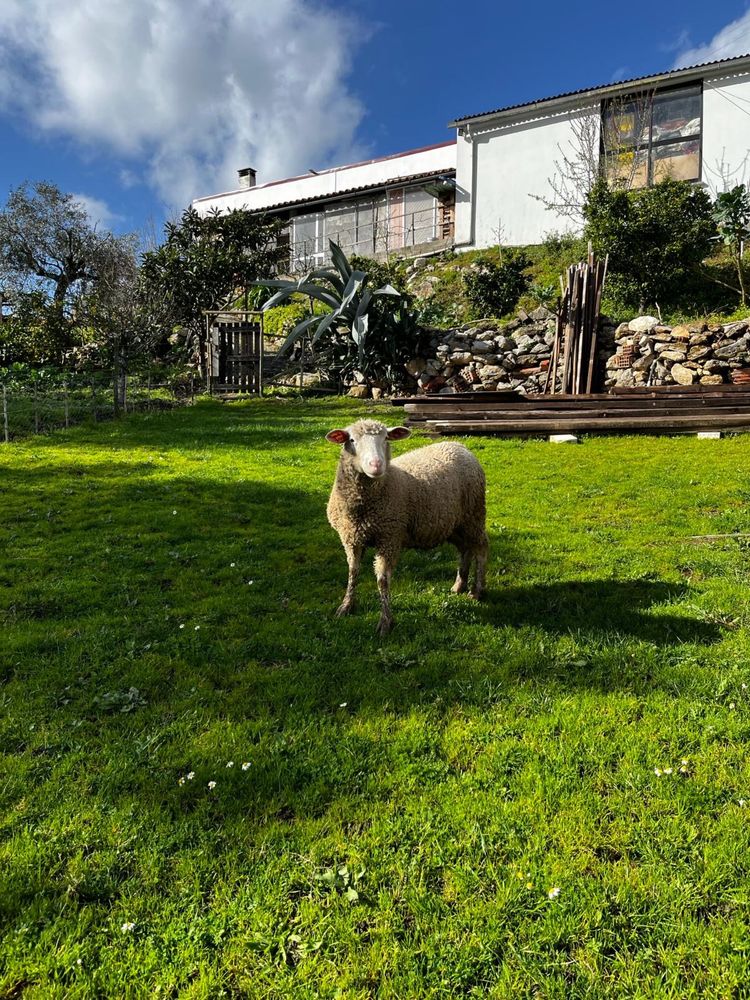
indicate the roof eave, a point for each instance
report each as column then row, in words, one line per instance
column 622, row 86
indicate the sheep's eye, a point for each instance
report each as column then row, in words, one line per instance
column 349, row 446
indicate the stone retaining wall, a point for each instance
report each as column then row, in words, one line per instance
column 489, row 355
column 649, row 353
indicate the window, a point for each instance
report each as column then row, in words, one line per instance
column 647, row 138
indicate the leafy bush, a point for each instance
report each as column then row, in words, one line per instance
column 492, row 288
column 731, row 213
column 358, row 329
column 656, row 239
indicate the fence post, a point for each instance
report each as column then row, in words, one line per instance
column 66, row 403
column 6, row 432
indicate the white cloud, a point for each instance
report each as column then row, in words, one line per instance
column 732, row 40
column 98, row 211
column 186, row 91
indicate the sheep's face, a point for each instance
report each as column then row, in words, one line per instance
column 366, row 442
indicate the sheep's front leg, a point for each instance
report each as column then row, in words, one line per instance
column 385, row 563
column 354, row 558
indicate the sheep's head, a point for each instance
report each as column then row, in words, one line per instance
column 366, row 444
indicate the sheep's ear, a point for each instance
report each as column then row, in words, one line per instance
column 337, row 436
column 398, row 433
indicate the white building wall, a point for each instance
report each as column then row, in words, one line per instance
column 511, row 169
column 726, row 131
column 308, row 187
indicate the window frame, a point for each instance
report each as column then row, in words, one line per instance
column 655, row 97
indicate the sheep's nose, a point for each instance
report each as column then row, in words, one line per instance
column 376, row 465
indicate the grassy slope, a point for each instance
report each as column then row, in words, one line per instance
column 455, row 772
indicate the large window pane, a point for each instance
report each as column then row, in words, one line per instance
column 341, row 227
column 306, row 241
column 365, row 232
column 676, row 115
column 381, row 225
column 628, row 169
column 626, row 123
column 419, row 217
column 679, row 161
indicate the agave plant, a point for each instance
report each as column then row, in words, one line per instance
column 343, row 289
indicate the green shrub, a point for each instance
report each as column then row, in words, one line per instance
column 656, row 239
column 492, row 288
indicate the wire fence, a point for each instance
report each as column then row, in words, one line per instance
column 36, row 403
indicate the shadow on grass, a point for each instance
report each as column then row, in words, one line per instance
column 597, row 608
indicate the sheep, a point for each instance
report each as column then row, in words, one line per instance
column 417, row 501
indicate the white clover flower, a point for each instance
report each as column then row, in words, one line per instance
column 657, row 772
column 181, row 781
column 343, row 704
column 190, row 775
column 742, row 802
column 684, row 762
column 127, row 927
column 731, row 704
column 744, row 686
column 212, row 785
column 250, row 583
column 667, row 770
column 230, row 763
column 174, row 512
column 553, row 893
column 183, row 625
column 232, row 565
column 246, row 765
column 197, row 627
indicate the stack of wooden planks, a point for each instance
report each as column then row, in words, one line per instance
column 571, row 370
column 670, row 409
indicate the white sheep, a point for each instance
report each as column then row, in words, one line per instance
column 426, row 497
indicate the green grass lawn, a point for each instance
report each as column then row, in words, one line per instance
column 409, row 805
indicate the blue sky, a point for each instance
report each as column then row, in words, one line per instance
column 138, row 107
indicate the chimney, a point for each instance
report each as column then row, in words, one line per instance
column 247, row 177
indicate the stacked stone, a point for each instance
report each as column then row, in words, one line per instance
column 489, row 355
column 650, row 353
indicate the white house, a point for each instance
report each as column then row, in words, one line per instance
column 485, row 188
column 692, row 124
column 394, row 204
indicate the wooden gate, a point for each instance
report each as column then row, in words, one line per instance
column 234, row 347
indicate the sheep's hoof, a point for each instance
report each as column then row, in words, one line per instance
column 475, row 595
column 384, row 626
column 344, row 609
column 459, row 587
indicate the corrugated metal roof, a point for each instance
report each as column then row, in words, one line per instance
column 601, row 89
column 338, row 195
column 331, row 170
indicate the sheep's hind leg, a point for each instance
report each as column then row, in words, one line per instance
column 462, row 578
column 354, row 558
column 384, row 566
column 481, row 551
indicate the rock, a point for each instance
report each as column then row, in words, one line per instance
column 541, row 313
column 682, row 375
column 672, row 355
column 730, row 349
column 711, row 380
column 643, row 324
column 522, row 316
column 662, row 334
column 503, row 343
column 481, row 347
column 643, row 363
column 735, row 329
column 359, row 391
column 623, row 330
column 524, row 342
column 488, row 373
column 417, row 365
column 715, row 366
column 563, row 439
column 699, row 351
column 461, row 358
column 377, row 392
column 681, row 332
